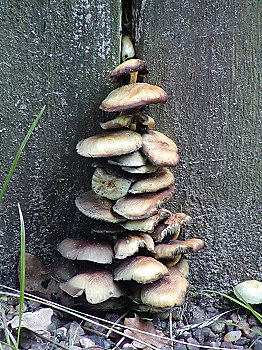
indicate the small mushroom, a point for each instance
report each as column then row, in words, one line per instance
column 142, row 269
column 171, row 226
column 135, row 159
column 159, row 180
column 128, row 120
column 127, row 67
column 97, row 208
column 76, row 249
column 109, row 185
column 144, row 169
column 159, row 149
column 97, row 285
column 127, row 50
column 146, row 225
column 130, row 243
column 250, row 291
column 168, row 292
column 109, row 144
column 133, row 96
column 141, row 206
column 171, row 249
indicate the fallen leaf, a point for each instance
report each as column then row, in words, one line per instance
column 37, row 321
column 145, row 326
column 36, row 276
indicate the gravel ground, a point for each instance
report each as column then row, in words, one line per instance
column 232, row 330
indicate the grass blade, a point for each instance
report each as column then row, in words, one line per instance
column 22, row 272
column 241, row 302
column 19, row 152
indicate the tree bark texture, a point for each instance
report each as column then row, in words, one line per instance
column 205, row 54
column 58, row 54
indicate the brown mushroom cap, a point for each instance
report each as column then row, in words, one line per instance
column 142, row 269
column 109, row 185
column 171, row 226
column 109, row 144
column 76, row 249
column 168, row 292
column 159, row 149
column 141, row 206
column 97, row 208
column 146, row 225
column 173, row 248
column 133, row 96
column 98, row 286
column 135, row 159
column 159, row 180
column 127, row 67
column 130, row 243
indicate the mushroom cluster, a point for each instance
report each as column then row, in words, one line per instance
column 135, row 250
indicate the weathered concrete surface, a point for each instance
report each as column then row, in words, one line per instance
column 54, row 53
column 205, row 54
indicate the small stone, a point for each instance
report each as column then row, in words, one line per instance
column 252, row 321
column 232, row 336
column 104, row 343
column 192, row 341
column 218, row 327
column 227, row 345
column 255, row 332
column 214, row 344
column 198, row 315
column 74, row 333
column 128, row 346
column 61, row 333
column 242, row 341
column 179, row 347
column 258, row 345
column 185, row 335
column 235, row 318
column 86, row 342
column 244, row 327
column 202, row 334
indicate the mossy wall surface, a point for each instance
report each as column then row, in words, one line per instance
column 204, row 54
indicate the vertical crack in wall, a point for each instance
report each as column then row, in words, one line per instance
column 127, row 25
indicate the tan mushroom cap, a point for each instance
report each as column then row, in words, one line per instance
column 129, row 120
column 135, row 159
column 171, row 226
column 159, row 149
column 109, row 144
column 97, row 208
column 250, row 291
column 109, row 185
column 159, row 180
column 142, row 269
column 133, row 96
column 76, row 249
column 127, row 67
column 183, row 267
column 130, row 243
column 148, row 168
column 146, row 225
column 168, row 292
column 98, row 286
column 141, row 206
column 173, row 248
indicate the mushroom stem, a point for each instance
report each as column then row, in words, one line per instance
column 133, row 77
